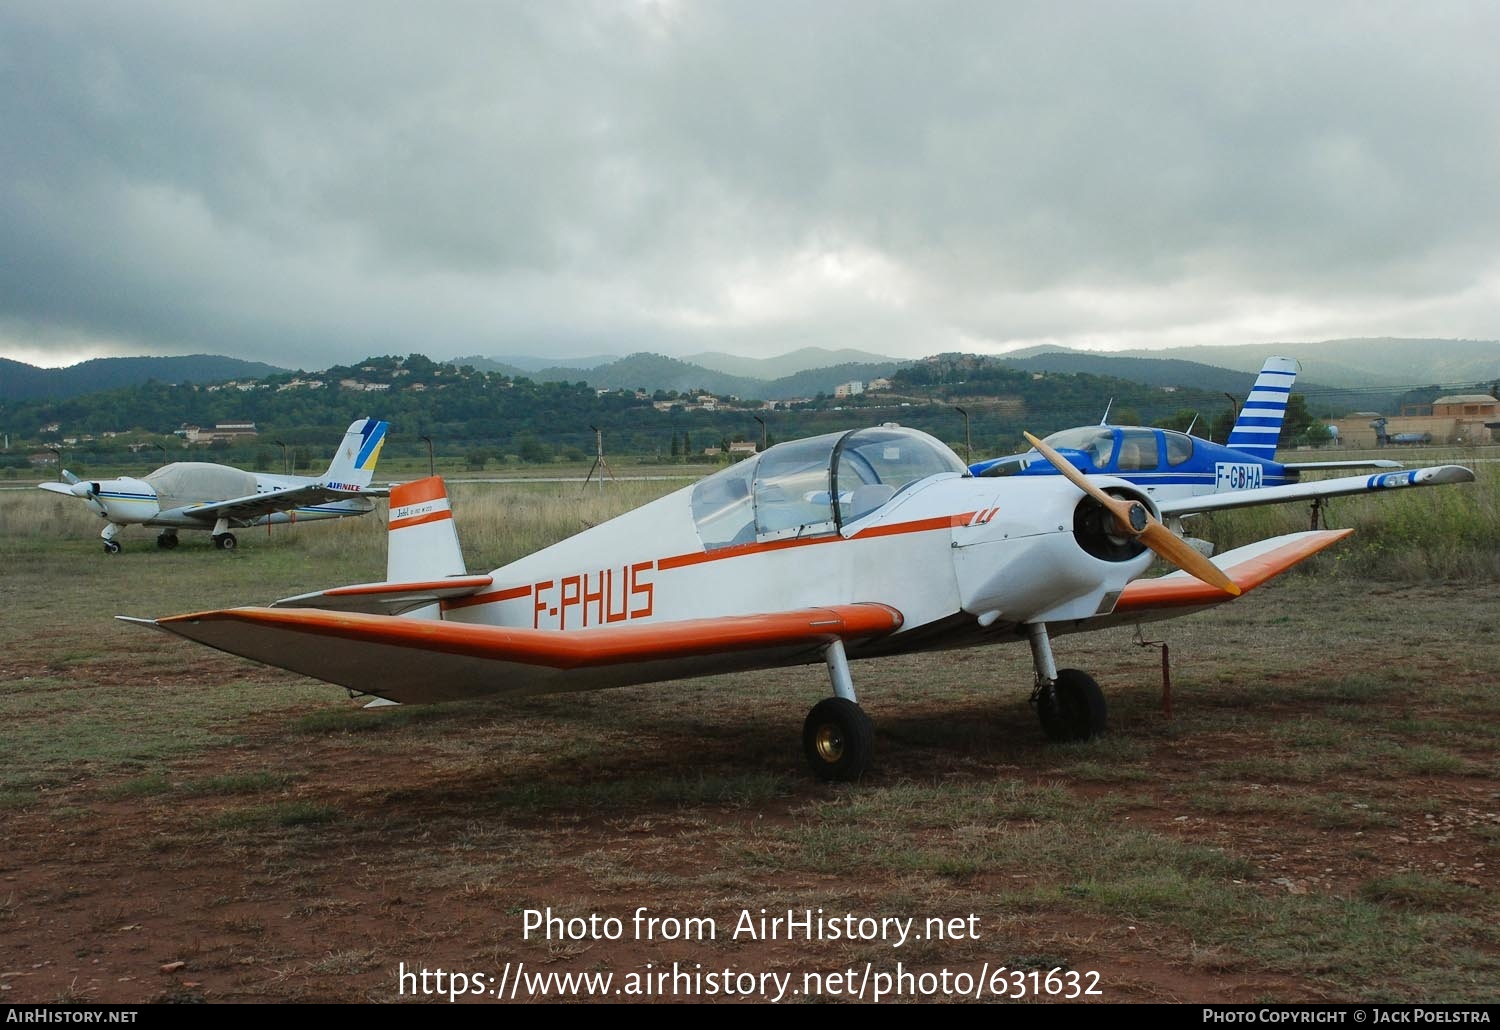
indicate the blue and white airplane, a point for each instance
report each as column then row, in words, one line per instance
column 202, row 495
column 1186, row 474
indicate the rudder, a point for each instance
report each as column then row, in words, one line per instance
column 1259, row 424
column 423, row 540
column 353, row 463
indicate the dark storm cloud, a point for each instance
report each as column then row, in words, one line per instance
column 310, row 183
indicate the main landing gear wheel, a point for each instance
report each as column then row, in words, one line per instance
column 1072, row 707
column 838, row 739
column 166, row 541
column 110, row 547
column 225, row 541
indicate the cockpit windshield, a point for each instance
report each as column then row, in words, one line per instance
column 1096, row 442
column 815, row 486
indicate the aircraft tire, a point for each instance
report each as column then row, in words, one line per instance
column 166, row 542
column 225, row 541
column 110, row 547
column 1073, row 707
column 838, row 739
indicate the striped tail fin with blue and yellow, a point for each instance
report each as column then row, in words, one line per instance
column 1259, row 424
column 353, row 464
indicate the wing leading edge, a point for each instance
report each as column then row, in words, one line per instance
column 424, row 660
column 1147, row 600
column 1434, row 475
column 253, row 506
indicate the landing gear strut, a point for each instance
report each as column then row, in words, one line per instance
column 838, row 738
column 110, row 531
column 1068, row 702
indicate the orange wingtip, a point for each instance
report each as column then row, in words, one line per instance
column 560, row 649
column 1182, row 591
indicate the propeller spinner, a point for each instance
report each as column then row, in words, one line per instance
column 1135, row 521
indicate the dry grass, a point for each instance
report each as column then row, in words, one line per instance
column 1317, row 823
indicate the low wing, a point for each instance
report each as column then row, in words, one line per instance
column 420, row 660
column 253, row 506
column 387, row 598
column 1148, row 600
column 1432, row 476
column 1311, row 466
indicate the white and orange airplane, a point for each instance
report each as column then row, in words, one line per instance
column 853, row 545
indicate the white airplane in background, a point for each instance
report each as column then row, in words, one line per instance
column 202, row 495
column 851, row 545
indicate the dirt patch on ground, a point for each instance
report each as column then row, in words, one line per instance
column 318, row 854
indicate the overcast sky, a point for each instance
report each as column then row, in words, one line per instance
column 313, row 182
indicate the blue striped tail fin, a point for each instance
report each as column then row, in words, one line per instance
column 1259, row 425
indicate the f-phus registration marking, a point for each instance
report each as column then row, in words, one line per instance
column 594, row 598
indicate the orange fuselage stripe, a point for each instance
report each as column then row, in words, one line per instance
column 679, row 561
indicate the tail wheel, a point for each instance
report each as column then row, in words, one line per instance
column 838, row 739
column 1072, row 707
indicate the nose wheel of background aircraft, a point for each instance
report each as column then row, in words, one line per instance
column 225, row 541
column 110, row 547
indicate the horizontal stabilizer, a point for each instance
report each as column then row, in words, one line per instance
column 387, row 598
column 417, row 660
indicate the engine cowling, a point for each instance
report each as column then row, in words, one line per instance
column 1099, row 534
column 120, row 500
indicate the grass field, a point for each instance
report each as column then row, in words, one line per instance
column 1318, row 821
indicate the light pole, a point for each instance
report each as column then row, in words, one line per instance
column 431, row 466
column 765, row 434
column 278, row 443
column 968, row 447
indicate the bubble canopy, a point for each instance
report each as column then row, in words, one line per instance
column 815, row 486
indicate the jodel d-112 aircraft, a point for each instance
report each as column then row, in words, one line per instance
column 201, row 495
column 852, row 545
column 1171, row 465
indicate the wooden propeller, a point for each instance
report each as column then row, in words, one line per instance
column 1135, row 521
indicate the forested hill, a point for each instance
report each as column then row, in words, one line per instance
column 19, row 381
column 652, row 372
column 465, row 408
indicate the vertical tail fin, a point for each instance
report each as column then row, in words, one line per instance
column 1259, row 425
column 423, row 541
column 354, row 462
